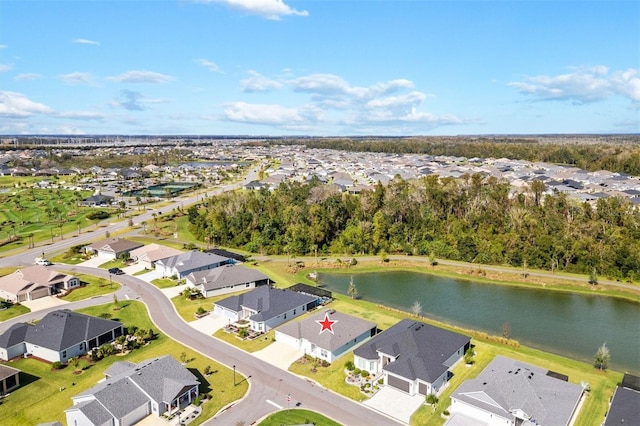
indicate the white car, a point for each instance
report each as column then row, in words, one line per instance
column 42, row 261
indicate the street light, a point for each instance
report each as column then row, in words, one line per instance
column 110, row 282
column 234, row 375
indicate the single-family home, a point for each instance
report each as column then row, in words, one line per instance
column 60, row 335
column 226, row 279
column 309, row 335
column 149, row 254
column 9, row 379
column 265, row 307
column 509, row 392
column 131, row 392
column 183, row 264
column 112, row 248
column 97, row 200
column 413, row 357
column 625, row 404
column 34, row 282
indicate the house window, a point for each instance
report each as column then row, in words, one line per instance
column 64, row 354
column 248, row 285
column 323, row 353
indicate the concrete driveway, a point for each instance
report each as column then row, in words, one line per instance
column 395, row 403
column 94, row 262
column 150, row 276
column 133, row 268
column 209, row 324
column 279, row 355
column 44, row 303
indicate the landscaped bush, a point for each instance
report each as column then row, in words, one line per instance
column 349, row 365
column 57, row 365
column 201, row 310
column 99, row 214
column 357, row 371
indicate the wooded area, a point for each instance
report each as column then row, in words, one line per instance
column 471, row 219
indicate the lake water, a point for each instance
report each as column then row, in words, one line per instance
column 567, row 324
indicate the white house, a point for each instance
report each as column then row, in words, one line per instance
column 226, row 279
column 413, row 357
column 183, row 264
column 265, row 307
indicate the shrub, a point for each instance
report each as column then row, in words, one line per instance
column 380, row 381
column 200, row 310
column 57, row 365
column 131, row 330
column 349, row 365
column 432, row 399
column 446, row 412
column 357, row 371
column 99, row 214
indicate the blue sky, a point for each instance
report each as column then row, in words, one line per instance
column 323, row 67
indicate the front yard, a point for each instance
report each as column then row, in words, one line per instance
column 45, row 394
column 91, row 286
column 246, row 344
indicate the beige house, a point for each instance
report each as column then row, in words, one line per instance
column 149, row 254
column 34, row 282
column 9, row 379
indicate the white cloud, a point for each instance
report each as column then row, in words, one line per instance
column 5, row 67
column 27, row 76
column 17, row 105
column 78, row 79
column 211, row 66
column 3, row 46
column 84, row 41
column 270, row 9
column 80, row 115
column 267, row 114
column 323, row 84
column 583, row 85
column 138, row 76
column 259, row 83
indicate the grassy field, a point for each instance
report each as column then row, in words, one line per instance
column 44, row 394
column 164, row 282
column 91, row 286
column 246, row 345
column 297, row 417
column 10, row 310
column 187, row 308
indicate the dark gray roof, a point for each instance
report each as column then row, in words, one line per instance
column 192, row 260
column 14, row 335
column 506, row 387
column 62, row 329
column 121, row 397
column 94, row 411
column 268, row 302
column 422, row 349
column 118, row 368
column 625, row 408
column 345, row 330
column 226, row 275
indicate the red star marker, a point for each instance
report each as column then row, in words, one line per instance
column 326, row 323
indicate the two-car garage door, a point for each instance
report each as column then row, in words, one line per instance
column 398, row 383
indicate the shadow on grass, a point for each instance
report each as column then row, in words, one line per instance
column 27, row 379
column 205, row 386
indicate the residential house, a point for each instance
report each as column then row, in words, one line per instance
column 226, row 279
column 60, row 335
column 97, row 200
column 265, row 307
column 183, row 264
column 307, row 334
column 625, row 404
column 112, row 248
column 34, row 282
column 9, row 379
column 149, row 254
column 132, row 392
column 509, row 392
column 412, row 356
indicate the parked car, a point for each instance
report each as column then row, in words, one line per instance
column 42, row 261
column 116, row 271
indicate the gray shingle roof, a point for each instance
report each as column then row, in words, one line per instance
column 14, row 335
column 121, row 397
column 192, row 260
column 268, row 302
column 227, row 275
column 62, row 329
column 94, row 411
column 507, row 386
column 345, row 330
column 118, row 368
column 625, row 408
column 6, row 371
column 422, row 349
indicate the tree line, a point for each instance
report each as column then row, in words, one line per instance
column 473, row 219
column 614, row 153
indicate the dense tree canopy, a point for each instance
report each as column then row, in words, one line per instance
column 474, row 219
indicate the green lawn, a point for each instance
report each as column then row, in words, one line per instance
column 164, row 282
column 10, row 310
column 44, row 394
column 297, row 417
column 187, row 308
column 91, row 286
column 246, row 345
column 115, row 263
